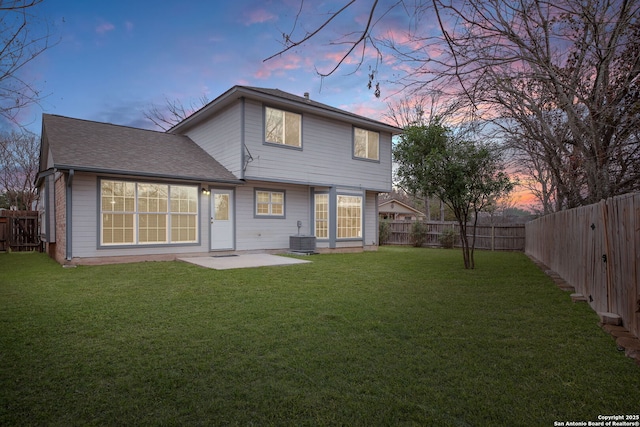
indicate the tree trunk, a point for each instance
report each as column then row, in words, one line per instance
column 466, row 255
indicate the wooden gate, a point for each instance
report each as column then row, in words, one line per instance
column 20, row 231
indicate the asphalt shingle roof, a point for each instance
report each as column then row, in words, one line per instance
column 103, row 147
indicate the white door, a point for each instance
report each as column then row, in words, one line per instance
column 222, row 219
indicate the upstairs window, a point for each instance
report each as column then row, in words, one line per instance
column 282, row 127
column 366, row 144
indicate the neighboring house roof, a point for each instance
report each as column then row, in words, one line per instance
column 90, row 146
column 397, row 206
column 278, row 97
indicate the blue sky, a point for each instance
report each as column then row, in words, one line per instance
column 114, row 59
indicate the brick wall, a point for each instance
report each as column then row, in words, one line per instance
column 59, row 252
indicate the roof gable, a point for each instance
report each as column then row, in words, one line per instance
column 277, row 96
column 397, row 206
column 107, row 148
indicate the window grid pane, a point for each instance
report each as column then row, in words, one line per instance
column 349, row 217
column 184, row 213
column 292, row 129
column 183, row 228
column 274, row 126
column 360, row 143
column 366, row 144
column 269, row 203
column 117, row 228
column 152, row 228
column 118, row 207
column 322, row 216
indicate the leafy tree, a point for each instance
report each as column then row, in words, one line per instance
column 465, row 175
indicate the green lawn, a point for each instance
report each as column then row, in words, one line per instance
column 402, row 336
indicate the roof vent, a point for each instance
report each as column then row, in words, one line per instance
column 306, row 95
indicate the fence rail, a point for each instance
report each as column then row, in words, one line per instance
column 19, row 231
column 491, row 237
column 596, row 249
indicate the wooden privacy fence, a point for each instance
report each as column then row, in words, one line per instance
column 19, row 231
column 491, row 237
column 596, row 249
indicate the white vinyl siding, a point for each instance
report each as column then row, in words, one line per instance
column 326, row 158
column 366, row 144
column 262, row 232
column 282, row 127
column 221, row 137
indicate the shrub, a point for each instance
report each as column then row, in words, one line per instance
column 448, row 238
column 384, row 231
column 418, row 234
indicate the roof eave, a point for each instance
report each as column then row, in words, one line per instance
column 148, row 174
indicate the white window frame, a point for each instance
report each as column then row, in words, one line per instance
column 369, row 138
column 270, row 203
column 287, row 118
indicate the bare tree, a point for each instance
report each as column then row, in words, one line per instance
column 520, row 64
column 23, row 37
column 173, row 112
column 19, row 152
column 424, row 109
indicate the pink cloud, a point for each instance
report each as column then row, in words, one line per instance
column 105, row 28
column 277, row 66
column 258, row 16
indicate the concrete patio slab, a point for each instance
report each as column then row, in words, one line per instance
column 241, row 261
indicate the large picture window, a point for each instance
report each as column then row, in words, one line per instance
column 366, row 144
column 282, row 127
column 349, row 217
column 146, row 213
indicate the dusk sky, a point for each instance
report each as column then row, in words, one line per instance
column 114, row 59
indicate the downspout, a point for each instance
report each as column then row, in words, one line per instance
column 243, row 147
column 363, row 216
column 68, row 200
column 377, row 221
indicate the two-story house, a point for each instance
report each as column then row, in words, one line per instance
column 244, row 173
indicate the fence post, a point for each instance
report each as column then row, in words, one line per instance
column 493, row 237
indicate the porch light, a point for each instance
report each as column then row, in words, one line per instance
column 205, row 191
